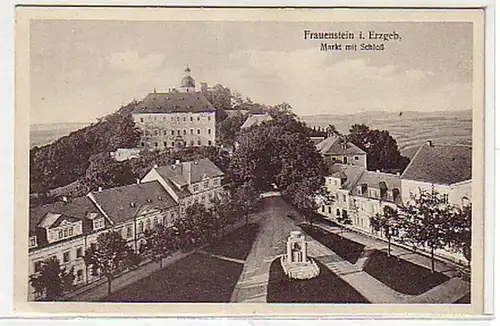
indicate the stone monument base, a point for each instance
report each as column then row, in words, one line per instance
column 300, row 271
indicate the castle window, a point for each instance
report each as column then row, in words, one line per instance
column 185, row 132
column 179, row 132
column 198, row 118
column 164, row 144
column 356, row 158
column 209, row 143
column 32, row 241
column 173, row 132
column 209, row 131
column 178, row 119
column 184, row 119
column 208, row 118
column 142, row 120
column 79, row 275
column 191, row 143
column 191, row 119
column 199, row 142
column 165, row 132
column 173, row 144
column 198, row 131
column 156, row 132
column 156, row 144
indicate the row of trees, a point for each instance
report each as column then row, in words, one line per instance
column 111, row 253
column 429, row 221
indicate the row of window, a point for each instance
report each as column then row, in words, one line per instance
column 179, row 132
column 174, row 119
column 65, row 233
column 206, row 184
column 66, row 258
column 172, row 144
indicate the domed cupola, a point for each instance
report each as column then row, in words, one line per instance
column 187, row 83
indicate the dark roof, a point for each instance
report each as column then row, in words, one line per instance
column 64, row 217
column 79, row 207
column 174, row 102
column 333, row 146
column 179, row 173
column 187, row 81
column 116, row 202
column 440, row 164
column 348, row 173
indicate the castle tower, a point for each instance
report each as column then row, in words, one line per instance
column 187, row 83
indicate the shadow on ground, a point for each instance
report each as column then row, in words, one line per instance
column 401, row 275
column 326, row 288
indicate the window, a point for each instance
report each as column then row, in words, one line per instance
column 465, row 201
column 192, row 131
column 164, row 144
column 344, row 197
column 338, row 212
column 173, row 144
column 185, row 132
column 79, row 252
column 142, row 120
column 198, row 118
column 165, row 132
column 173, row 132
column 98, row 223
column 141, row 226
column 184, row 119
column 209, row 120
column 70, row 231
column 209, row 143
column 323, row 208
column 148, row 224
column 142, row 144
column 79, row 275
column 33, row 241
column 156, row 132
column 199, row 142
column 60, row 234
column 205, row 184
column 66, row 256
column 445, row 198
column 129, row 231
column 198, row 131
column 155, row 221
column 38, row 266
column 356, row 158
column 178, row 119
column 191, row 143
column 191, row 119
column 196, row 188
column 329, row 209
column 179, row 132
column 209, row 131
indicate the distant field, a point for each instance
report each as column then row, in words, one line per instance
column 410, row 129
column 43, row 134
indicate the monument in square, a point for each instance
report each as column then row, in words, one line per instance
column 295, row 262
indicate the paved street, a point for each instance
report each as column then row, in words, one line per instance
column 270, row 242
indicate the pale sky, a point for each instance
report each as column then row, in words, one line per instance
column 82, row 70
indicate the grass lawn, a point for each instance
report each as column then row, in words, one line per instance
column 464, row 300
column 345, row 248
column 237, row 244
column 196, row 278
column 401, row 275
column 326, row 288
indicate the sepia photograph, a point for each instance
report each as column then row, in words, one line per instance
column 236, row 156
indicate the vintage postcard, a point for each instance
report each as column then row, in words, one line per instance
column 249, row 161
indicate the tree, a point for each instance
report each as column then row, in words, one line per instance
column 190, row 228
column 52, row 279
column 279, row 152
column 159, row 243
column 331, row 130
column 245, row 199
column 104, row 171
column 460, row 231
column 107, row 255
column 229, row 129
column 426, row 221
column 382, row 150
column 387, row 223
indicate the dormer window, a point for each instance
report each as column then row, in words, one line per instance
column 160, row 198
column 33, row 242
column 132, row 204
column 149, row 200
column 98, row 223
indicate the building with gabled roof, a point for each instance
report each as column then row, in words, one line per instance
column 187, row 182
column 64, row 230
column 256, row 119
column 337, row 149
column 445, row 168
column 175, row 118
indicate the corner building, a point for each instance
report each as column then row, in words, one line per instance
column 178, row 118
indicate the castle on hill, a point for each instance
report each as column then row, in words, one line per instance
column 177, row 118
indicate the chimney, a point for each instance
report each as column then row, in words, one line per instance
column 155, row 166
column 186, row 171
column 99, row 189
column 65, row 199
column 177, row 162
column 429, row 143
column 138, row 181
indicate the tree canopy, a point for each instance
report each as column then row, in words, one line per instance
column 382, row 150
column 279, row 153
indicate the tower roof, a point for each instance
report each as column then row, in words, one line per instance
column 187, row 81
